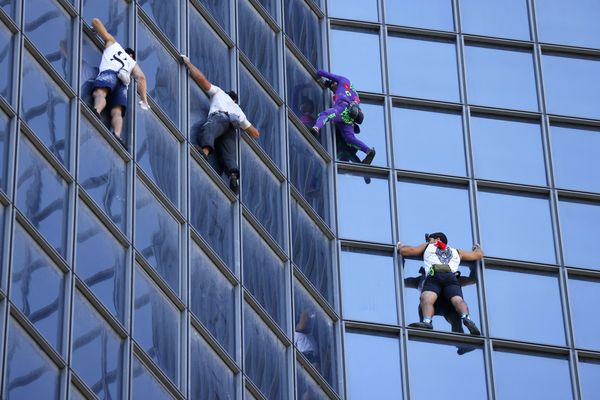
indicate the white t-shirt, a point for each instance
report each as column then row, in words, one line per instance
column 220, row 101
column 434, row 255
column 114, row 58
column 305, row 342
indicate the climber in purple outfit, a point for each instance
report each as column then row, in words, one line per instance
column 345, row 113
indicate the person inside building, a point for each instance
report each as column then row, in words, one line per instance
column 218, row 132
column 117, row 67
column 441, row 269
column 345, row 113
column 304, row 338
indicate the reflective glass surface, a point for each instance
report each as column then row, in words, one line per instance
column 6, row 62
column 42, row 195
column 516, row 226
column 264, row 275
column 419, row 212
column 431, row 14
column 166, row 15
column 37, row 288
column 198, row 107
column 102, row 173
column 366, row 74
column 368, row 286
column 520, row 152
column 144, row 385
column 363, row 207
column 570, row 85
column 30, row 374
column 365, row 10
column 372, row 132
column 219, row 10
column 586, row 328
column 158, row 154
column 265, row 358
column 525, row 291
column 576, row 219
column 271, row 6
column 424, row 68
column 4, row 148
column 100, row 262
column 303, row 27
column 500, row 77
column 97, row 351
column 547, row 377
column 468, row 359
column 114, row 16
column 9, row 7
column 74, row 393
column 45, row 108
column 210, row 377
column 372, row 366
column 156, row 325
column 500, row 18
column 572, row 23
column 306, row 387
column 438, row 132
column 90, row 57
column 574, row 150
column 589, row 370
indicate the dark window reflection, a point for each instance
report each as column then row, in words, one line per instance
column 589, row 370
column 306, row 387
column 365, row 10
column 97, row 351
column 210, row 377
column 37, row 288
column 577, row 217
column 373, row 366
column 304, row 28
column 6, row 63
column 587, row 330
column 431, row 14
column 45, row 108
column 199, row 106
column 101, row 262
column 265, row 360
column 219, row 10
column 502, row 18
column 212, row 299
column 113, row 14
column 573, row 23
column 4, row 148
column 30, row 374
column 144, row 385
column 156, row 325
column 166, row 15
column 42, row 195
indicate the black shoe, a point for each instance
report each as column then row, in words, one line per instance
column 234, row 183
column 367, row 179
column 369, row 157
column 95, row 112
column 464, row 350
column 473, row 329
column 314, row 131
column 422, row 325
column 120, row 140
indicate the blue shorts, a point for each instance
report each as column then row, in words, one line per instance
column 117, row 95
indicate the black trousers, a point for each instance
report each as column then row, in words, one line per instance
column 219, row 135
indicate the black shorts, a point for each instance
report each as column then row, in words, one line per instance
column 444, row 284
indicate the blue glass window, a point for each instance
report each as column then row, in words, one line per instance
column 9, row 8
column 588, row 378
column 74, row 393
column 97, row 351
column 30, row 374
column 366, row 74
column 424, row 68
column 570, row 85
column 501, row 77
column 210, row 377
column 101, row 262
column 144, row 385
column 90, row 55
column 219, row 10
column 364, row 10
column 501, row 18
column 114, row 16
column 435, row 131
column 516, row 226
column 572, row 23
column 37, row 288
column 45, row 108
column 6, row 63
column 303, row 27
column 4, row 149
column 578, row 218
column 431, row 14
column 368, row 286
column 574, row 152
column 42, row 195
column 198, row 108
column 157, row 236
column 587, row 331
column 166, row 15
column 306, row 387
column 366, row 380
column 212, row 299
column 520, row 150
column 510, row 290
column 271, row 6
column 363, row 207
column 156, row 325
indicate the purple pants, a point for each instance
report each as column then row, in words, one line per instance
column 334, row 114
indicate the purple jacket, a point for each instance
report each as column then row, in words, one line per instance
column 345, row 90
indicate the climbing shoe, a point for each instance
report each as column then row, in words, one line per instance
column 234, row 183
column 473, row 329
column 369, row 157
column 422, row 325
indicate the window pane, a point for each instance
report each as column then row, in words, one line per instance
column 438, row 131
column 166, row 15
column 4, row 149
column 144, row 385
column 101, row 262
column 30, row 374
column 219, row 10
column 424, row 68
column 37, row 288
column 547, row 376
column 114, row 16
column 271, row 6
column 89, row 61
column 508, row 221
column 210, row 377
column 365, row 10
column 432, row 14
column 468, row 359
column 520, row 152
column 512, row 295
column 365, row 75
column 372, row 131
column 6, row 63
column 577, row 218
column 42, row 195
column 373, row 366
column 157, row 236
column 45, row 108
column 573, row 23
column 571, row 86
column 501, row 77
column 306, row 387
column 303, row 27
column 9, row 7
column 74, row 393
column 588, row 378
column 97, row 351
column 574, row 150
column 587, row 331
column 364, row 207
column 264, row 275
column 156, row 325
column 102, row 173
column 503, row 18
column 416, row 199
column 158, row 154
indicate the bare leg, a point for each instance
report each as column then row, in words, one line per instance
column 459, row 305
column 116, row 120
column 99, row 95
column 426, row 303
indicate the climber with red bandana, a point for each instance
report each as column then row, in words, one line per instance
column 345, row 113
column 441, row 268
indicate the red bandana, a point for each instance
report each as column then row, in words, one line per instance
column 440, row 245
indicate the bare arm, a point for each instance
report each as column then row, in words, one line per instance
column 411, row 251
column 252, row 131
column 196, row 74
column 99, row 27
column 474, row 255
column 139, row 76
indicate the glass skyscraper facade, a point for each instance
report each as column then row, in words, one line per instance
column 137, row 273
